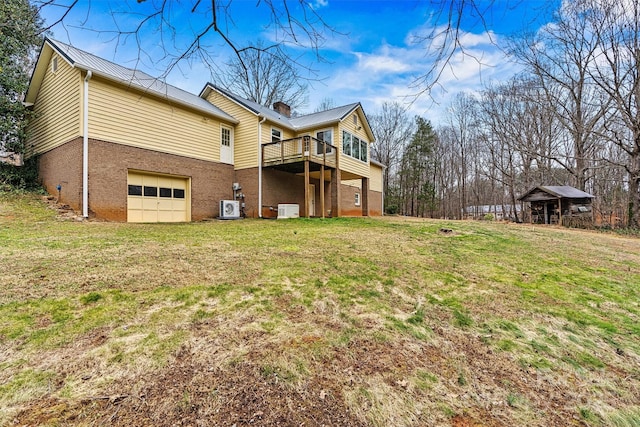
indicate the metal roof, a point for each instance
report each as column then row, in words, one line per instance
column 134, row 78
column 294, row 123
column 323, row 117
column 556, row 191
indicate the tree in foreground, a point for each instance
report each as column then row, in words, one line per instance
column 20, row 29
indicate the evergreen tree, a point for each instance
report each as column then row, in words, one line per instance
column 417, row 182
column 20, row 36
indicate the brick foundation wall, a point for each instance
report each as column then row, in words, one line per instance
column 63, row 166
column 375, row 203
column 210, row 182
column 277, row 187
column 281, row 187
column 347, row 201
column 108, row 167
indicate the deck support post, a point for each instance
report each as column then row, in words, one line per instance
column 306, row 188
column 364, row 197
column 335, row 193
column 322, row 190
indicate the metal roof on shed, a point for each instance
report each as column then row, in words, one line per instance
column 554, row 191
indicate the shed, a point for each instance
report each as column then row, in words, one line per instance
column 562, row 204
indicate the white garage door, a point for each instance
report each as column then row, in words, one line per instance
column 157, row 198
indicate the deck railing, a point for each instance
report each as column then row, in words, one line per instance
column 299, row 149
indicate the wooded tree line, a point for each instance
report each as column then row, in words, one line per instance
column 570, row 119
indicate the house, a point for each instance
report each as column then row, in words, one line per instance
column 499, row 212
column 559, row 205
column 119, row 144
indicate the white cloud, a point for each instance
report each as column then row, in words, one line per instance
column 317, row 4
column 392, row 73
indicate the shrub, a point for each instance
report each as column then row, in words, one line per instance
column 20, row 177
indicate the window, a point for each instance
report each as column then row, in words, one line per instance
column 346, row 143
column 325, row 136
column 178, row 193
column 150, row 191
column 54, row 64
column 276, row 135
column 357, row 199
column 354, row 147
column 355, row 119
column 165, row 192
column 135, row 190
column 225, row 137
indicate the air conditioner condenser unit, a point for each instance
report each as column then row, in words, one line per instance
column 229, row 209
column 288, row 210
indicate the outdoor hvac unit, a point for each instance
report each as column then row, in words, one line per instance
column 229, row 209
column 288, row 211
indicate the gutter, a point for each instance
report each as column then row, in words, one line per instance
column 260, row 166
column 85, row 147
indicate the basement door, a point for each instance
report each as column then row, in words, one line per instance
column 157, row 198
column 226, row 145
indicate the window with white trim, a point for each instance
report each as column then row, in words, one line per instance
column 354, row 147
column 357, row 200
column 276, row 135
column 325, row 136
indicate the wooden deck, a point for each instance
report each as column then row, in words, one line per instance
column 291, row 154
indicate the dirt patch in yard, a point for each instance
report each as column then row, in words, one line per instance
column 187, row 393
column 341, row 389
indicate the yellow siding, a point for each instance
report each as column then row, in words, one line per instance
column 348, row 163
column 375, row 178
column 266, row 131
column 130, row 117
column 353, row 183
column 245, row 132
column 57, row 109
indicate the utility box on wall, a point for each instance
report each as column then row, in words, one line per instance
column 287, row 210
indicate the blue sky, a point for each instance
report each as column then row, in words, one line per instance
column 374, row 55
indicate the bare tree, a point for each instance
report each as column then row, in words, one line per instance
column 184, row 32
column 520, row 130
column 265, row 75
column 463, row 125
column 325, row 104
column 560, row 56
column 616, row 29
column 392, row 128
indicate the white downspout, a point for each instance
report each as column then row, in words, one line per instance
column 384, row 171
column 260, row 166
column 85, row 148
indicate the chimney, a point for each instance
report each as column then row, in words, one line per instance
column 282, row 108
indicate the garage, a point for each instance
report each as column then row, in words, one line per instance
column 157, row 198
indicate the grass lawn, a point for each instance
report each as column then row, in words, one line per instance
column 335, row 322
